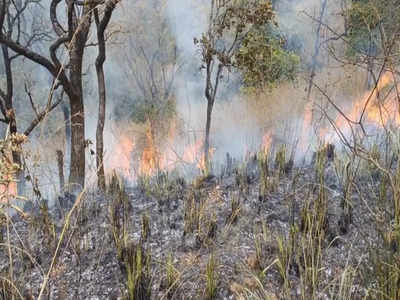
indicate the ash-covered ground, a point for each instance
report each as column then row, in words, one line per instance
column 273, row 232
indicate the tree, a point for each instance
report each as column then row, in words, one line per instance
column 233, row 41
column 151, row 64
column 15, row 25
column 72, row 37
column 101, row 25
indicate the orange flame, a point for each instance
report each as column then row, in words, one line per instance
column 8, row 190
column 306, row 126
column 149, row 160
column 121, row 156
column 266, row 142
column 370, row 107
column 372, row 110
column 194, row 154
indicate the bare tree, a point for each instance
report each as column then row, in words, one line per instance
column 15, row 26
column 101, row 25
column 72, row 35
column 151, row 63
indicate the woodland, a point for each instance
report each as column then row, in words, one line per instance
column 199, row 149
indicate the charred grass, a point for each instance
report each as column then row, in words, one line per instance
column 264, row 229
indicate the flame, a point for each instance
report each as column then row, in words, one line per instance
column 194, row 154
column 8, row 189
column 369, row 106
column 306, row 126
column 169, row 157
column 121, row 156
column 266, row 142
column 149, row 159
column 372, row 110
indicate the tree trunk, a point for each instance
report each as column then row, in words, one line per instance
column 210, row 104
column 101, row 179
column 60, row 164
column 67, row 124
column 78, row 43
column 101, row 58
column 77, row 160
column 11, row 116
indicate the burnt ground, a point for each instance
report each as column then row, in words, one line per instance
column 238, row 223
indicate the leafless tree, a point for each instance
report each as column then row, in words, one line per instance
column 71, row 30
column 101, row 25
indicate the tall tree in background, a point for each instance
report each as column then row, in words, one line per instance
column 237, row 38
column 101, row 25
column 71, row 36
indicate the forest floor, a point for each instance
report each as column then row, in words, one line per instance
column 261, row 230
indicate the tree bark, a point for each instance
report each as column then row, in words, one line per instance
column 101, row 179
column 60, row 164
column 101, row 58
column 77, row 159
column 67, row 124
column 210, row 104
column 77, row 155
column 210, row 93
column 78, row 44
column 10, row 116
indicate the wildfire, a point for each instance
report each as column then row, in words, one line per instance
column 266, row 142
column 306, row 126
column 121, row 156
column 369, row 106
column 8, row 189
column 194, row 154
column 149, row 159
column 372, row 109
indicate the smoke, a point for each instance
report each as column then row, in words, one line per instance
column 238, row 122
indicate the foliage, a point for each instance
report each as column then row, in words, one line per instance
column 8, row 168
column 143, row 110
column 231, row 22
column 263, row 60
column 242, row 37
column 370, row 25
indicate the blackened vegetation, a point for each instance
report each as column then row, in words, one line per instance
column 257, row 227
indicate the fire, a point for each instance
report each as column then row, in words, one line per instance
column 266, row 142
column 149, row 159
column 375, row 111
column 369, row 106
column 8, row 189
column 169, row 157
column 121, row 156
column 194, row 154
column 158, row 157
column 306, row 126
